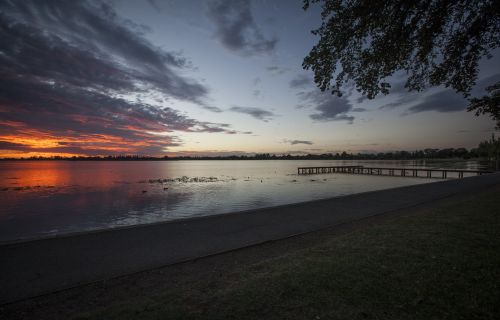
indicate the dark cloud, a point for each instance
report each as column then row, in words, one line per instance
column 154, row 5
column 6, row 145
column 89, row 122
column 397, row 89
column 301, row 81
column 359, row 109
column 294, row 142
column 64, row 66
column 329, row 116
column 361, row 99
column 400, row 101
column 480, row 88
column 329, row 107
column 450, row 101
column 212, row 108
column 443, row 101
column 257, row 113
column 86, row 44
column 277, row 70
column 236, row 28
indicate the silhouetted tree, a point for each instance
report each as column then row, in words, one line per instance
column 482, row 151
column 435, row 42
column 490, row 149
column 488, row 104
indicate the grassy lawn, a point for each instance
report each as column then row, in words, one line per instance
column 441, row 264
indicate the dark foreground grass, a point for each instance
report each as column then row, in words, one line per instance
column 442, row 264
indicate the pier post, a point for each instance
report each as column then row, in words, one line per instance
column 389, row 171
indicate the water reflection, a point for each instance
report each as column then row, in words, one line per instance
column 47, row 197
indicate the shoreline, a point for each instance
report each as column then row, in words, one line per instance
column 189, row 286
column 194, row 218
column 39, row 267
column 63, row 235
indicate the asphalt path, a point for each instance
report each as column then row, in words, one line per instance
column 36, row 267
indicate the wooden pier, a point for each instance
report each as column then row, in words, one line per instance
column 396, row 172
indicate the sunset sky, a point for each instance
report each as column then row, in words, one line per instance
column 199, row 78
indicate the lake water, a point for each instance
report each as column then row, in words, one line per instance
column 43, row 198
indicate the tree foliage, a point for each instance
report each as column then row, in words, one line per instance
column 429, row 153
column 436, row 42
column 490, row 148
column 488, row 104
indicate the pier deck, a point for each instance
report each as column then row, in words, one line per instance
column 393, row 171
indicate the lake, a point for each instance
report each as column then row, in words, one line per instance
column 45, row 198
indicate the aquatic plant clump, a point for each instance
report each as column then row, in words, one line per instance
column 184, row 179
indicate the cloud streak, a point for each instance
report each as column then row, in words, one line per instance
column 301, row 81
column 328, row 107
column 443, row 101
column 257, row 113
column 236, row 28
column 277, row 70
column 446, row 100
column 295, row 142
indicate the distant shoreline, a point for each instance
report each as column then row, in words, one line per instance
column 423, row 154
column 237, row 158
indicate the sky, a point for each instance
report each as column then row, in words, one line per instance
column 194, row 78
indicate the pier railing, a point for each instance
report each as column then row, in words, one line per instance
column 394, row 171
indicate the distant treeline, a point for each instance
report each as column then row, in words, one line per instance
column 448, row 153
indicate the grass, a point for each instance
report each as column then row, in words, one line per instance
column 441, row 264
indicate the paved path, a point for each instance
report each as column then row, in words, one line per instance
column 36, row 267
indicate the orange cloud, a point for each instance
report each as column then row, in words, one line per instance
column 36, row 143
